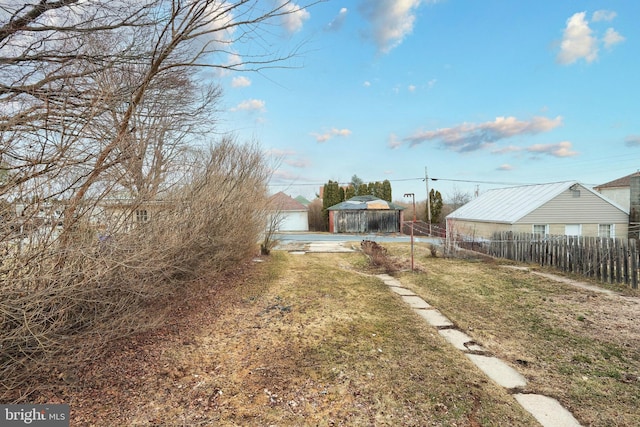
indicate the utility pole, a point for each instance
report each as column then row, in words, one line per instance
column 413, row 223
column 426, row 180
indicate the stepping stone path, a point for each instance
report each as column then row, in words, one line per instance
column 546, row 410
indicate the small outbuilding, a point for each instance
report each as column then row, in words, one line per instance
column 365, row 214
column 561, row 208
column 619, row 190
column 287, row 214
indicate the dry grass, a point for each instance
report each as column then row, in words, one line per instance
column 294, row 341
column 578, row 346
column 308, row 340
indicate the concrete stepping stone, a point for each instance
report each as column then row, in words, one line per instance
column 546, row 410
column 457, row 338
column 434, row 318
column 401, row 291
column 415, row 301
column 498, row 371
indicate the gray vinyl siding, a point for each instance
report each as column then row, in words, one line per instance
column 567, row 209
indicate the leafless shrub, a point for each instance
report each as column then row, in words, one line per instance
column 56, row 315
column 378, row 256
column 433, row 249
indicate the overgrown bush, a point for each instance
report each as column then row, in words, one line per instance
column 62, row 301
column 378, row 256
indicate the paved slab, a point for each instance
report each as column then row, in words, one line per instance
column 546, row 410
column 457, row 338
column 388, row 280
column 415, row 301
column 434, row 318
column 401, row 291
column 498, row 371
column 331, row 247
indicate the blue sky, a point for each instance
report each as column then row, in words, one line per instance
column 483, row 93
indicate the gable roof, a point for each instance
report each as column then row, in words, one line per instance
column 281, row 202
column 625, row 181
column 365, row 203
column 508, row 205
column 303, row 200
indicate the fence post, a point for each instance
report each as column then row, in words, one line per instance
column 633, row 252
column 618, row 245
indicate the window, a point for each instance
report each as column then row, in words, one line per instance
column 142, row 216
column 606, row 230
column 572, row 230
column 541, row 229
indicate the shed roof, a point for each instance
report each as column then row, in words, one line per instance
column 365, row 203
column 625, row 181
column 282, row 202
column 303, row 200
column 508, row 205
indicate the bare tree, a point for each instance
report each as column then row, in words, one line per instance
column 88, row 85
column 458, row 198
column 105, row 96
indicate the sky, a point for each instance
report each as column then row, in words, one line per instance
column 476, row 94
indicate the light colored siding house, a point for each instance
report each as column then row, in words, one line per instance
column 288, row 214
column 562, row 208
column 618, row 190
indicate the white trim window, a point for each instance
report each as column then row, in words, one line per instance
column 573, row 229
column 541, row 229
column 606, row 230
column 142, row 216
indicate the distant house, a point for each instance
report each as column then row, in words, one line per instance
column 365, row 214
column 303, row 200
column 288, row 214
column 563, row 208
column 618, row 190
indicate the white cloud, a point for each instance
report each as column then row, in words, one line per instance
column 603, row 15
column 324, row 137
column 611, row 37
column 505, row 167
column 391, row 20
column 412, row 88
column 577, row 41
column 283, row 176
column 250, row 105
column 507, row 150
column 240, row 81
column 431, row 83
column 632, row 141
column 474, row 136
column 338, row 21
column 294, row 16
column 366, row 84
column 298, row 163
column 394, row 142
column 561, row 149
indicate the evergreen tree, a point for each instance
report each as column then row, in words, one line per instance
column 386, row 191
column 435, row 200
column 332, row 195
column 356, row 182
column 349, row 192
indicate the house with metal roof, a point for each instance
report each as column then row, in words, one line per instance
column 561, row 208
column 287, row 214
column 365, row 214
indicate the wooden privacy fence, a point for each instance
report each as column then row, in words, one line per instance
column 605, row 259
